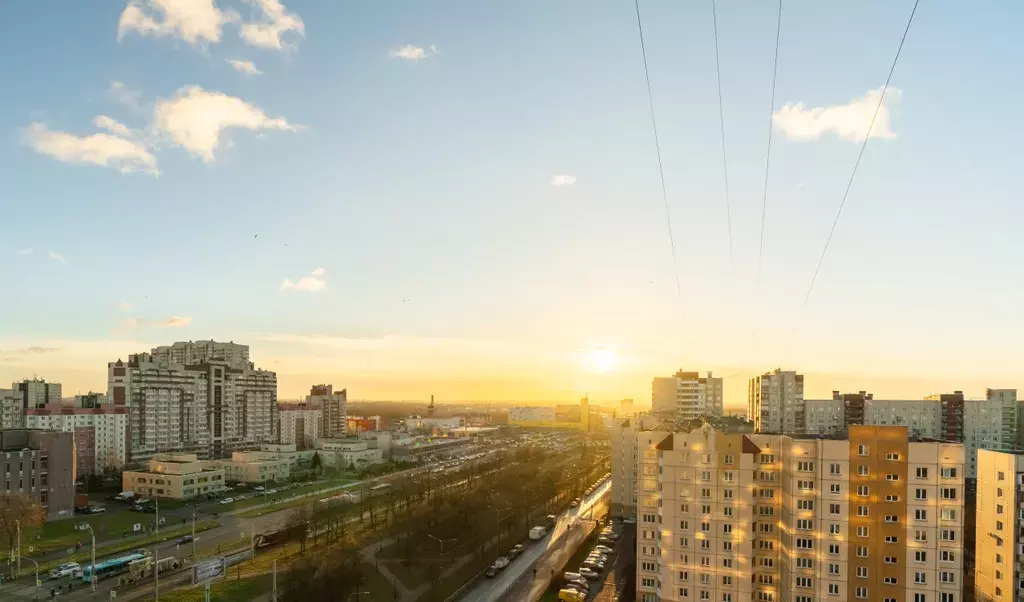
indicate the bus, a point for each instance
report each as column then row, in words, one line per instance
column 380, row 489
column 109, row 568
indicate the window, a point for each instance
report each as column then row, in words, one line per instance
column 920, row 514
column 705, row 544
column 803, row 582
column 727, row 510
column 946, row 577
column 999, row 508
column 920, row 578
column 862, row 450
column 833, row 569
column 920, row 494
column 890, row 580
column 727, row 494
column 920, row 556
column 804, row 466
column 646, row 582
column 835, row 488
column 947, row 535
column 921, row 472
column 947, row 493
column 766, row 511
column 862, row 552
column 705, row 475
column 728, row 459
column 704, row 595
column 891, row 539
column 947, row 556
column 834, row 469
column 767, row 458
column 891, row 518
column 1001, row 476
column 705, row 509
column 727, row 529
column 727, row 580
column 767, row 562
column 863, row 491
column 727, row 476
column 804, row 543
column 948, row 473
column 862, row 531
column 684, row 525
column 727, row 546
column 833, row 529
column 650, row 518
column 705, row 579
column 804, row 563
column 705, row 493
column 805, row 504
column 767, row 493
column 862, row 470
column 947, row 597
column 833, row 549
column 862, row 572
column 803, row 524
column 705, row 561
column 766, row 545
column 890, row 560
column 647, row 566
column 918, row 597
column 766, row 527
column 705, row 458
column 833, row 509
column 833, row 589
column 705, row 527
column 892, row 477
column 727, row 563
column 862, row 510
column 861, row 592
column 770, row 597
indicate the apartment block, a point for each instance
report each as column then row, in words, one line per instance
column 36, row 393
column 999, row 527
column 627, row 437
column 300, row 424
column 213, row 404
column 333, row 406
column 100, row 433
column 687, row 395
column 775, row 402
column 40, row 465
column 12, row 409
column 733, row 517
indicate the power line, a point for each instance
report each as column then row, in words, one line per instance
column 768, row 155
column 721, row 122
column 657, row 149
column 864, row 145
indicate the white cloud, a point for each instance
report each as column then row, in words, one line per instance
column 194, row 21
column 125, row 306
column 312, row 283
column 195, row 118
column 56, row 256
column 413, row 53
column 99, row 149
column 114, row 127
column 276, row 21
column 24, row 252
column 849, row 121
column 563, row 179
column 122, row 94
column 172, row 322
column 246, row 67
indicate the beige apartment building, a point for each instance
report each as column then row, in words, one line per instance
column 175, row 476
column 772, row 518
column 999, row 519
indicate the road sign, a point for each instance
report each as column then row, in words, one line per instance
column 207, row 569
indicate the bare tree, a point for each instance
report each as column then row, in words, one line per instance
column 15, row 509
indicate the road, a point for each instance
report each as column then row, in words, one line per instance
column 491, row 590
column 624, row 567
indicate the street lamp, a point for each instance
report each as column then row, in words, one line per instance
column 92, row 569
column 441, row 541
column 37, row 570
column 497, row 532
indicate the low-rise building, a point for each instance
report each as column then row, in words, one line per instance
column 100, row 433
column 285, row 451
column 41, row 465
column 348, row 453
column 421, row 449
column 253, row 467
column 175, row 476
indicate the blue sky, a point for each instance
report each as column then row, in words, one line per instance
column 420, row 182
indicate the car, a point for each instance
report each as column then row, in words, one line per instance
column 580, row 582
column 259, row 488
column 574, row 503
column 64, row 570
column 227, row 500
column 629, row 521
column 593, row 565
column 491, row 571
column 588, row 573
column 96, row 510
column 184, row 539
column 518, row 548
column 603, row 549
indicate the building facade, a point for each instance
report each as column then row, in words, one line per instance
column 775, row 402
column 349, row 453
column 999, row 527
column 626, row 438
column 174, row 476
column 12, row 409
column 333, row 408
column 36, row 393
column 687, row 395
column 211, row 408
column 300, row 424
column 40, row 465
column 253, row 467
column 100, row 433
column 734, row 517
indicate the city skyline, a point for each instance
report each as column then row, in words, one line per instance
column 410, row 199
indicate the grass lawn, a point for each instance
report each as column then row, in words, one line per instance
column 85, row 556
column 225, row 590
column 300, row 494
column 62, row 534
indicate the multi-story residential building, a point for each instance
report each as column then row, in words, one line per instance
column 333, row 407
column 36, row 393
column 775, row 402
column 687, row 395
column 773, row 518
column 100, row 433
column 12, row 409
column 991, row 423
column 999, row 527
column 627, row 437
column 214, row 405
column 40, row 465
column 89, row 400
column 300, row 424
column 175, row 476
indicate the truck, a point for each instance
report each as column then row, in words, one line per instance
column 537, row 532
column 125, row 496
column 81, row 502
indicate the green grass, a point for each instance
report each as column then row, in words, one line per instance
column 85, row 555
column 62, row 534
column 303, row 494
column 225, row 590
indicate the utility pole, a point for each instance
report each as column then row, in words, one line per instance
column 157, row 515
column 273, row 589
column 193, row 531
column 18, row 523
column 156, row 573
column 92, row 569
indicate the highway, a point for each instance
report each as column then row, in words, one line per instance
column 492, row 590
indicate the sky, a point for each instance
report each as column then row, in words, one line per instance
column 462, row 198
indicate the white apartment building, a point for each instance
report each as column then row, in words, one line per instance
column 772, row 518
column 100, row 433
column 212, row 408
column 300, row 424
column 627, row 436
column 687, row 395
column 775, row 402
column 999, row 527
column 333, row 409
column 36, row 393
column 12, row 409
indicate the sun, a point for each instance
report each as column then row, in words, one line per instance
column 602, row 360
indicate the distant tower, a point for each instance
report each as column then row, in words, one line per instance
column 430, row 408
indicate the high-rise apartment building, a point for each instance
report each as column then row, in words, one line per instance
column 991, row 423
column 100, row 433
column 626, row 438
column 36, row 393
column 687, row 395
column 300, row 424
column 41, row 466
column 333, row 407
column 775, row 402
column 999, row 527
column 215, row 404
column 773, row 518
column 12, row 409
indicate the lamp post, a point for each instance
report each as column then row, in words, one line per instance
column 92, row 568
column 441, row 541
column 37, row 569
column 497, row 532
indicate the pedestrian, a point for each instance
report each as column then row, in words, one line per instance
column 53, row 593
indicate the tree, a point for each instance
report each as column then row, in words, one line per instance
column 316, row 463
column 15, row 509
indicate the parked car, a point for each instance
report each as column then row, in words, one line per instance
column 588, row 573
column 227, row 500
column 580, row 582
column 501, row 562
column 258, row 488
column 491, row 571
column 574, row 503
column 64, row 570
column 518, row 548
column 603, row 549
